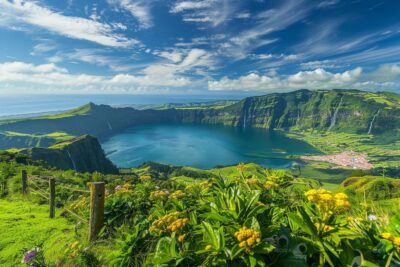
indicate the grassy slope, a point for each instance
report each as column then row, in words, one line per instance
column 24, row 225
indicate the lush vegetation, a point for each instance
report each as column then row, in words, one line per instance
column 160, row 215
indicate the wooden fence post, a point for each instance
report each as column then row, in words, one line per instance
column 24, row 180
column 52, row 197
column 97, row 192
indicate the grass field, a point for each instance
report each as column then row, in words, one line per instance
column 24, row 225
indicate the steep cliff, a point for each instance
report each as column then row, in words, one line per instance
column 334, row 110
column 83, row 154
column 350, row 111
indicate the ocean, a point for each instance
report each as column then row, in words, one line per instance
column 28, row 104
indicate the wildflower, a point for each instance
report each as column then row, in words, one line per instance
column 387, row 236
column 177, row 194
column 327, row 201
column 74, row 245
column 252, row 181
column 324, row 228
column 123, row 189
column 29, row 255
column 158, row 195
column 247, row 237
column 177, row 224
column 170, row 222
column 372, row 217
column 182, row 237
column 270, row 185
column 145, row 178
column 396, row 241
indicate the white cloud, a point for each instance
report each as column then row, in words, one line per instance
column 28, row 12
column 42, row 48
column 191, row 5
column 100, row 57
column 316, row 79
column 165, row 76
column 386, row 72
column 193, row 61
column 27, row 77
column 140, row 9
column 212, row 12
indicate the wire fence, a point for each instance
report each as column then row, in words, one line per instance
column 38, row 185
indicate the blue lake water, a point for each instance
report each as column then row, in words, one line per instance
column 202, row 146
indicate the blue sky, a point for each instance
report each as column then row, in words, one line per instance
column 203, row 46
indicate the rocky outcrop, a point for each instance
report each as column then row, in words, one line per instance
column 82, row 154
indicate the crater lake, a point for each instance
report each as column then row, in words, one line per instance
column 203, row 146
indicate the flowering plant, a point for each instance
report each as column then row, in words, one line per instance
column 34, row 257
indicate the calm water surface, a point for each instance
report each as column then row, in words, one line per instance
column 202, row 146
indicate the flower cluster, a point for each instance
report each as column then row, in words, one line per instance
column 272, row 182
column 159, row 195
column 170, row 222
column 30, row 255
column 248, row 237
column 75, row 248
column 326, row 201
column 270, row 185
column 324, row 227
column 182, row 237
column 252, row 181
column 177, row 194
column 145, row 178
column 395, row 240
column 123, row 189
column 81, row 203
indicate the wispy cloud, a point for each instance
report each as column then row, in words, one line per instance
column 41, row 48
column 99, row 57
column 328, row 3
column 267, row 22
column 210, row 12
column 140, row 9
column 28, row 12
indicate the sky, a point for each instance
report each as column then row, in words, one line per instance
column 203, row 46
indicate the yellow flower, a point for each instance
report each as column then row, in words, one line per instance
column 74, row 245
column 387, row 236
column 177, row 194
column 270, row 185
column 247, row 237
column 326, row 201
column 252, row 181
column 396, row 241
column 324, row 228
column 208, row 247
column 170, row 222
column 145, row 178
column 181, row 238
column 158, row 195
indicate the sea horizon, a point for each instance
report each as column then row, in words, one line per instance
column 16, row 104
